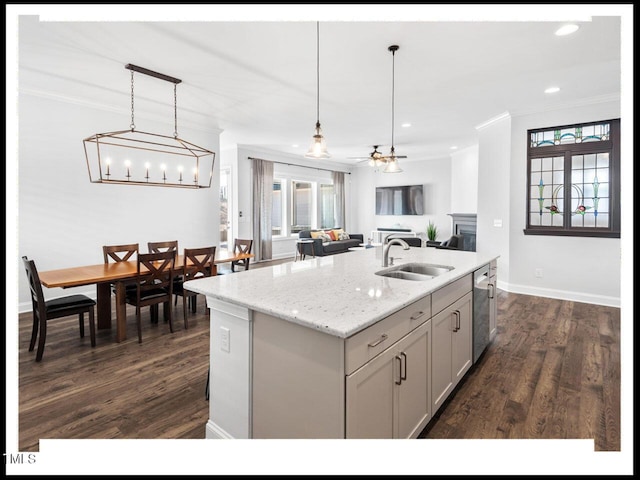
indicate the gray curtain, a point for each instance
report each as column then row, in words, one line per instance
column 262, row 206
column 338, row 188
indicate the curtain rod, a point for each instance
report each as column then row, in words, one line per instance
column 296, row 165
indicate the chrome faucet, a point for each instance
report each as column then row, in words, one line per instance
column 385, row 252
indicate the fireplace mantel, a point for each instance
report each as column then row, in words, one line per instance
column 465, row 224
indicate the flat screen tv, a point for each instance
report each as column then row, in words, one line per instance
column 400, row 200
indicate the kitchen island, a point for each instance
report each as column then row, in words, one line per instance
column 327, row 348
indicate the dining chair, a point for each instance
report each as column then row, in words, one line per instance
column 154, row 285
column 45, row 310
column 120, row 253
column 197, row 263
column 241, row 246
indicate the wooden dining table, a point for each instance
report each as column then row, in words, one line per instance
column 103, row 275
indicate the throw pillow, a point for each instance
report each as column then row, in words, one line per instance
column 332, row 234
column 316, row 234
column 343, row 236
column 324, row 237
column 337, row 232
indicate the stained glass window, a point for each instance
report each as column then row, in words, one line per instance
column 574, row 180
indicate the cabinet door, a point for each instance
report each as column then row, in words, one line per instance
column 462, row 339
column 441, row 378
column 370, row 392
column 413, row 406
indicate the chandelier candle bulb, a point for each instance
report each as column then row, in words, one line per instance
column 180, row 172
column 146, row 175
column 195, row 175
column 127, row 164
column 164, row 172
column 108, row 162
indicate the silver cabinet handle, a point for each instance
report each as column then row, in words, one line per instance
column 399, row 381
column 492, row 292
column 403, row 377
column 417, row 315
column 456, row 314
column 382, row 338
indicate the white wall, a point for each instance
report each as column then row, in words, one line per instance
column 576, row 268
column 434, row 174
column 493, row 189
column 464, row 180
column 64, row 220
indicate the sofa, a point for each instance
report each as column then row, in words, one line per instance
column 323, row 246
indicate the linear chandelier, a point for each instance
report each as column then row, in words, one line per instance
column 132, row 157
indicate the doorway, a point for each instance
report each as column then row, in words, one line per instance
column 225, row 207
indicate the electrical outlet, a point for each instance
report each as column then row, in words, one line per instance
column 224, row 339
column 538, row 273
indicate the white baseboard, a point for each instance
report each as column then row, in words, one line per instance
column 213, row 431
column 561, row 294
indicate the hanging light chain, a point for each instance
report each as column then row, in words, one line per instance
column 318, row 74
column 393, row 94
column 175, row 110
column 133, row 125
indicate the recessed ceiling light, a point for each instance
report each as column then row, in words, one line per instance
column 295, row 145
column 567, row 29
column 406, row 125
column 454, row 147
column 552, row 90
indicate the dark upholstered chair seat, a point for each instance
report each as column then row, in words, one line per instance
column 71, row 302
column 132, row 295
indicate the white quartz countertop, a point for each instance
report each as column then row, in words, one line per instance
column 337, row 294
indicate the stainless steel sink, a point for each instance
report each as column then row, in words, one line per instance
column 415, row 271
column 425, row 269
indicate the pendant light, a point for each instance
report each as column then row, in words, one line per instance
column 392, row 160
column 318, row 148
column 133, row 157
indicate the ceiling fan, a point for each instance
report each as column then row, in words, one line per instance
column 376, row 158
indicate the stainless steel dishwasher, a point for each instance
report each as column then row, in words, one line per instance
column 481, row 310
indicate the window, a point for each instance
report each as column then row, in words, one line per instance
column 573, row 180
column 301, row 205
column 327, row 209
column 276, row 210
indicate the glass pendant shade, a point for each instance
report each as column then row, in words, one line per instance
column 318, row 147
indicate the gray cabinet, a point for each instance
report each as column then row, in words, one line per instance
column 452, row 338
column 388, row 390
column 389, row 396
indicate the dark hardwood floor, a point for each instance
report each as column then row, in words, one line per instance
column 552, row 372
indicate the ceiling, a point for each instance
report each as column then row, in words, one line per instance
column 256, row 80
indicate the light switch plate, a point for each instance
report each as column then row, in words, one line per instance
column 497, row 222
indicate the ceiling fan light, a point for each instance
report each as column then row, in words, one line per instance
column 392, row 166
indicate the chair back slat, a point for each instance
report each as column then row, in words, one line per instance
column 157, row 247
column 242, row 246
column 198, row 262
column 119, row 253
column 159, row 271
column 35, row 287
